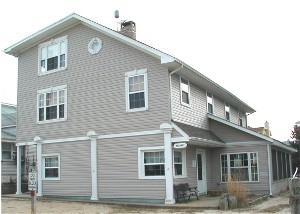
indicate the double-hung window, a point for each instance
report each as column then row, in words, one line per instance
column 185, row 91
column 227, row 111
column 136, row 84
column 210, row 108
column 239, row 166
column 53, row 55
column 9, row 151
column 51, row 167
column 240, row 118
column 179, row 157
column 52, row 104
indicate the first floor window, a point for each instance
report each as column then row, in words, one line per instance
column 239, row 167
column 51, row 164
column 179, row 157
column 280, row 165
column 154, row 163
column 52, row 104
column 136, row 90
column 9, row 151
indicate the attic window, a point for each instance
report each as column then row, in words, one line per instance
column 95, row 46
column 53, row 55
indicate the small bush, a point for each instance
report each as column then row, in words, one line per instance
column 237, row 188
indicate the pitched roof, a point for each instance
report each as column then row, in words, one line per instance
column 169, row 61
column 8, row 121
column 197, row 132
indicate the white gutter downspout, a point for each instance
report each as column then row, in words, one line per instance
column 269, row 164
column 170, row 85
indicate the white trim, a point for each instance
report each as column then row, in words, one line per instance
column 19, row 172
column 212, row 103
column 39, row 158
column 131, row 74
column 269, row 168
column 205, row 142
column 226, row 111
column 141, row 169
column 202, row 152
column 180, row 131
column 90, row 46
column 94, row 169
column 46, row 44
column 43, row 166
column 183, row 157
column 179, row 139
column 188, row 92
column 130, row 134
column 246, row 143
column 52, row 89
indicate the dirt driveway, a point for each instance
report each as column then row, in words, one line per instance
column 278, row 204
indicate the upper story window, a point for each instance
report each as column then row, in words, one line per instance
column 210, row 108
column 52, row 104
column 53, row 55
column 136, row 84
column 227, row 111
column 240, row 118
column 9, row 151
column 185, row 91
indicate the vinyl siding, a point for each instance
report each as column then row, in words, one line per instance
column 75, row 169
column 261, row 187
column 219, row 107
column 118, row 169
column 194, row 115
column 95, row 89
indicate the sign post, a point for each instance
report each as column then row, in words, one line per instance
column 32, row 181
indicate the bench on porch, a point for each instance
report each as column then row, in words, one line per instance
column 184, row 192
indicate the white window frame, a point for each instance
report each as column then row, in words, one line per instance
column 45, row 91
column 212, row 102
column 13, row 151
column 227, row 105
column 43, row 165
column 47, row 44
column 240, row 118
column 183, row 156
column 249, row 166
column 187, row 91
column 141, row 151
column 132, row 74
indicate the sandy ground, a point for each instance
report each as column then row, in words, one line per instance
column 277, row 204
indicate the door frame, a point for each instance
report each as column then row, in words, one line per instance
column 204, row 175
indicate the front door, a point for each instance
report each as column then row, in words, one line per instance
column 201, row 172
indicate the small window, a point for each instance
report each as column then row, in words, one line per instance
column 227, row 111
column 210, row 103
column 51, row 167
column 179, row 157
column 240, row 118
column 136, row 90
column 9, row 151
column 52, row 104
column 185, row 91
column 53, row 56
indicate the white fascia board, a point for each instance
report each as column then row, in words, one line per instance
column 246, row 143
column 283, row 146
column 248, row 131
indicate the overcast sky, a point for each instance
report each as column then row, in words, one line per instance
column 251, row 48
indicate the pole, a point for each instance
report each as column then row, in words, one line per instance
column 33, row 202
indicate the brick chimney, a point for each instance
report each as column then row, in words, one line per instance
column 128, row 28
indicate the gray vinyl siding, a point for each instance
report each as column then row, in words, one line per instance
column 219, row 107
column 194, row 115
column 75, row 169
column 261, row 187
column 229, row 134
column 118, row 169
column 95, row 89
column 8, row 171
column 234, row 115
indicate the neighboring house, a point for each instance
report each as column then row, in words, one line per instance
column 108, row 110
column 263, row 130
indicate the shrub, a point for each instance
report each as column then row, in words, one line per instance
column 237, row 188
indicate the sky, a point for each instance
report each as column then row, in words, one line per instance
column 251, row 48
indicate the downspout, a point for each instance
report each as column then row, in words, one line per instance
column 269, row 164
column 170, row 85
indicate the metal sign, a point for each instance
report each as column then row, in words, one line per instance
column 180, row 145
column 32, row 181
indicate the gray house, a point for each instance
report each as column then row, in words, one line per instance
column 107, row 117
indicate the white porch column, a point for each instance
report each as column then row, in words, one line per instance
column 93, row 136
column 19, row 171
column 39, row 142
column 167, row 129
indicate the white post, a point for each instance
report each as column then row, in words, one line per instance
column 167, row 129
column 19, row 171
column 39, row 142
column 93, row 136
column 270, row 167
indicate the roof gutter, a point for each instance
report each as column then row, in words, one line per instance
column 170, row 88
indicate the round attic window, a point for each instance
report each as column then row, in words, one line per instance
column 95, row 45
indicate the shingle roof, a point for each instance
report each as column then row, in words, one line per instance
column 8, row 121
column 197, row 132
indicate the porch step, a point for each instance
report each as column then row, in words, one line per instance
column 216, row 192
